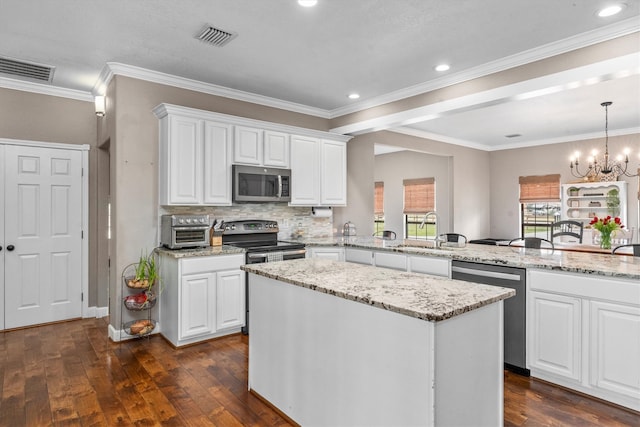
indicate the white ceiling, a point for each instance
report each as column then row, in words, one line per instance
column 314, row 57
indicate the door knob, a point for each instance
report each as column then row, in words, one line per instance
column 10, row 248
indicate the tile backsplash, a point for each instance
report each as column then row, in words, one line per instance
column 291, row 220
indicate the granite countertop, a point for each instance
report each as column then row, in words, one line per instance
column 421, row 296
column 620, row 266
column 195, row 252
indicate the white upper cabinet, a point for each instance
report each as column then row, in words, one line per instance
column 180, row 161
column 276, row 149
column 247, row 147
column 194, row 162
column 217, row 163
column 260, row 147
column 333, row 173
column 197, row 149
column 305, row 171
column 318, row 172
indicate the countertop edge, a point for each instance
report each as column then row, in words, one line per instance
column 503, row 294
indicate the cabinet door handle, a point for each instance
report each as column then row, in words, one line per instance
column 10, row 248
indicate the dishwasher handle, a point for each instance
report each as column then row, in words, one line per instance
column 485, row 273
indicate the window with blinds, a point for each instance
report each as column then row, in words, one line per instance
column 419, row 198
column 539, row 205
column 542, row 188
column 378, row 209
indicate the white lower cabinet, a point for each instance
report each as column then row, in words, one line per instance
column 612, row 327
column 555, row 345
column 203, row 297
column 197, row 305
column 359, row 256
column 429, row 265
column 390, row 260
column 230, row 299
column 584, row 334
column 332, row 253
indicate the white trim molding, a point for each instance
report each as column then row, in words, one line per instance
column 44, row 89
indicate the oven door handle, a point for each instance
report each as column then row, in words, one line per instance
column 190, row 228
column 284, row 253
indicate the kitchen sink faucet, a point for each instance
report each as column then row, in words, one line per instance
column 436, row 241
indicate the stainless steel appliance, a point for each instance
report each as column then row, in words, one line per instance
column 259, row 239
column 184, row 231
column 515, row 314
column 259, row 184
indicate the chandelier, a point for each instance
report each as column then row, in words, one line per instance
column 603, row 169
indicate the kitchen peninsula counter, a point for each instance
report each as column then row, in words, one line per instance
column 334, row 343
column 615, row 266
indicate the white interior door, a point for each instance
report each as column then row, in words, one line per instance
column 42, row 238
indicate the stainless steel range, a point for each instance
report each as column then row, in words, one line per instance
column 259, row 238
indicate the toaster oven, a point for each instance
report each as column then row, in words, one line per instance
column 184, row 231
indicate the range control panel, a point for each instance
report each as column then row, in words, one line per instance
column 250, row 227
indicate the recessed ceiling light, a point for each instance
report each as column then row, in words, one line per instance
column 307, row 3
column 353, row 96
column 442, row 67
column 610, row 10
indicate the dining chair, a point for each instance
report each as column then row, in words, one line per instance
column 635, row 246
column 567, row 227
column 532, row 243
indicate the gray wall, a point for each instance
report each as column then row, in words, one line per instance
column 508, row 165
column 45, row 118
column 469, row 182
column 132, row 130
column 393, row 168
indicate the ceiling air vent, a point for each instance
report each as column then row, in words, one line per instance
column 216, row 36
column 29, row 70
column 513, row 135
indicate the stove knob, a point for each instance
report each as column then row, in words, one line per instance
column 233, row 227
column 180, row 221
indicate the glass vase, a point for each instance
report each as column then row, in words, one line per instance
column 605, row 239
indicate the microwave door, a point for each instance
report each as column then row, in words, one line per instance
column 271, row 186
column 250, row 185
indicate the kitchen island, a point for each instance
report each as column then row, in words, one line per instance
column 337, row 343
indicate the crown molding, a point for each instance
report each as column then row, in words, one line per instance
column 559, row 47
column 115, row 68
column 44, row 89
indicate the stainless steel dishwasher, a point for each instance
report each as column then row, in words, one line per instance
column 515, row 314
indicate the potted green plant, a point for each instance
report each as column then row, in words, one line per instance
column 574, row 191
column 145, row 276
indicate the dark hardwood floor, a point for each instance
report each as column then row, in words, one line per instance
column 72, row 374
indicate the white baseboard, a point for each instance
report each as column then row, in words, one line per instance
column 96, row 312
column 102, row 312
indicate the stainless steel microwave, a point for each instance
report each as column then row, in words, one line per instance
column 260, row 184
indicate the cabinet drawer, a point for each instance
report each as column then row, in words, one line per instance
column 211, row 263
column 395, row 261
column 426, row 265
column 359, row 255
